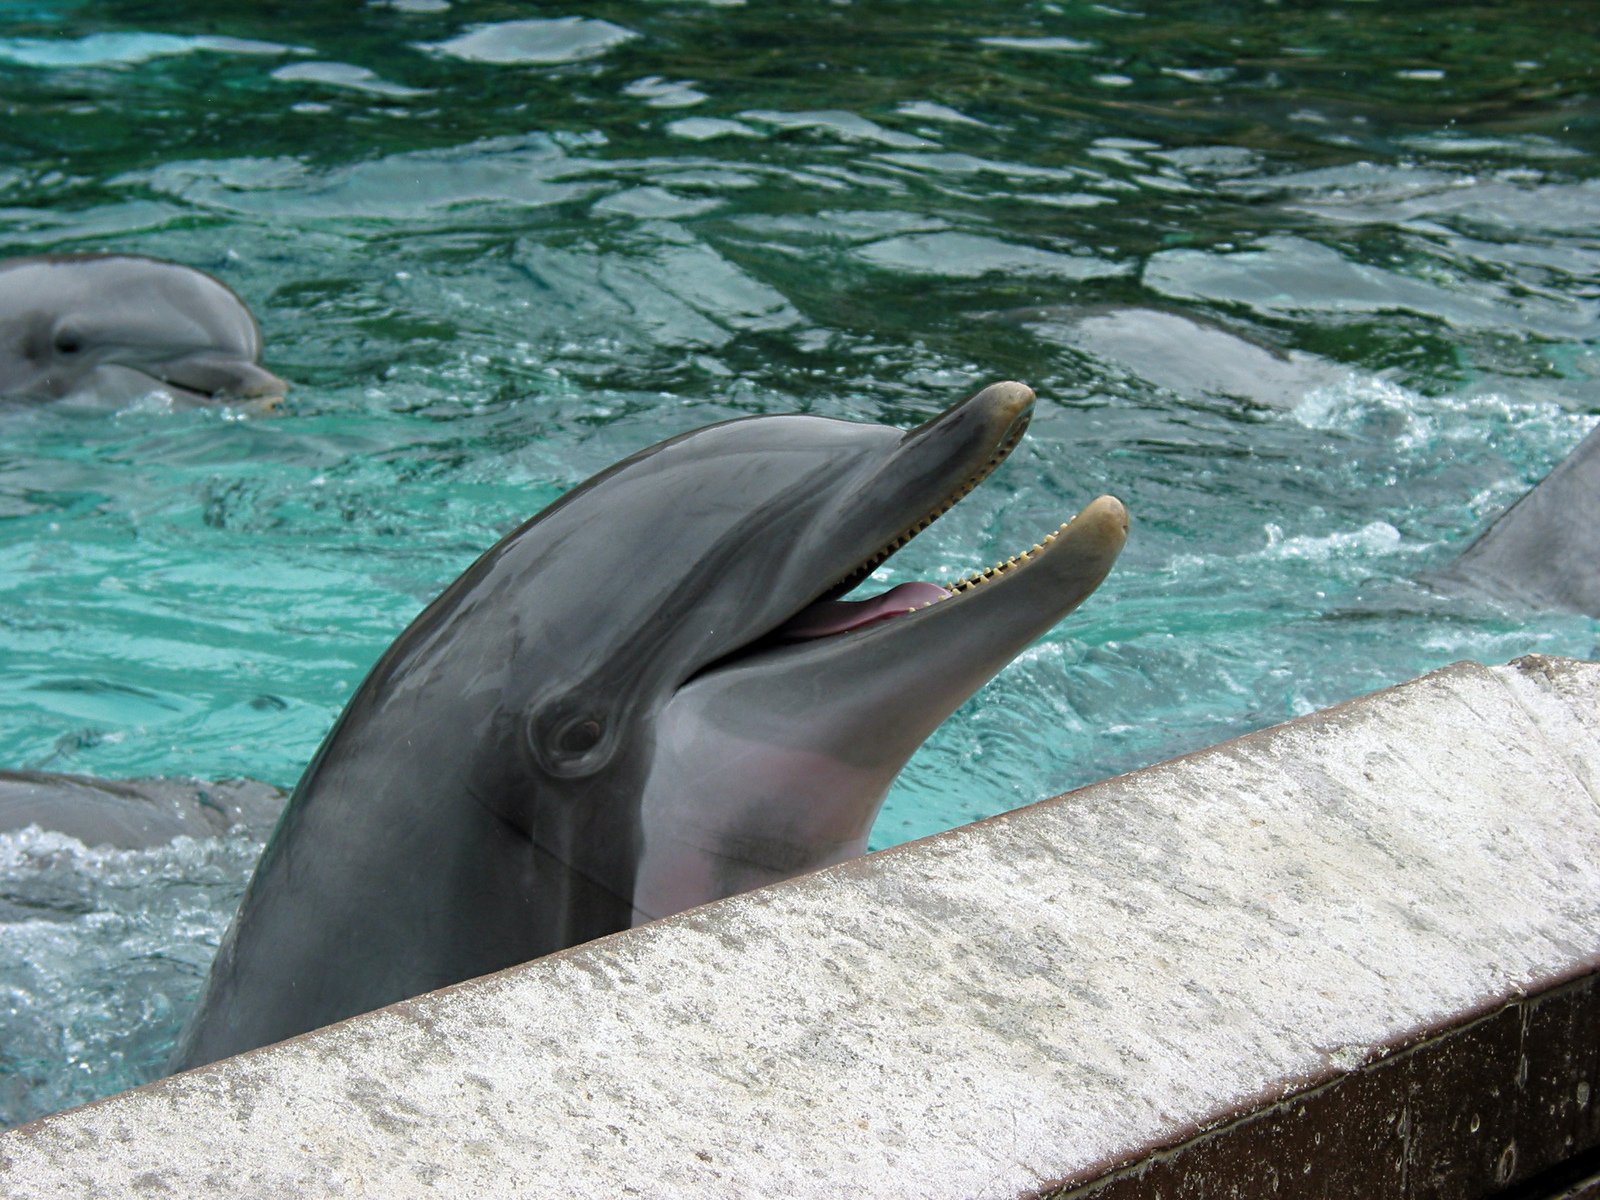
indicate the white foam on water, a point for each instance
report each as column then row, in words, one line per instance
column 104, row 953
column 1372, row 540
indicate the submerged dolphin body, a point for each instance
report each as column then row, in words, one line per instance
column 1544, row 550
column 110, row 328
column 643, row 699
column 134, row 814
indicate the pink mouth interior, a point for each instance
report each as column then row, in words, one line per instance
column 827, row 617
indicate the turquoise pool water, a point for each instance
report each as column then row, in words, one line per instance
column 1313, row 290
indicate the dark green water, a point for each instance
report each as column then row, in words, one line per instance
column 1312, row 288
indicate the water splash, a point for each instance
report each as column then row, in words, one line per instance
column 106, row 950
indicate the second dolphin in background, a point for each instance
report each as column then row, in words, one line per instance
column 111, row 328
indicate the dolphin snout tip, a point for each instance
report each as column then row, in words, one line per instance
column 997, row 413
column 1009, row 396
column 1107, row 514
column 265, row 400
column 248, row 387
column 1002, row 409
column 1109, row 508
column 253, row 382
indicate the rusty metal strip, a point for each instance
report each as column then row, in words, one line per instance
column 1484, row 1107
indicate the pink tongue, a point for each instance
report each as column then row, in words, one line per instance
column 836, row 616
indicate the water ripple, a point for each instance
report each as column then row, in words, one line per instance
column 538, row 42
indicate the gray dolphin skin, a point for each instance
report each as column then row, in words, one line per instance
column 645, row 698
column 135, row 814
column 1543, row 551
column 111, row 328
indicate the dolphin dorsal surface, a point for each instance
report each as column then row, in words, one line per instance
column 135, row 814
column 651, row 695
column 1544, row 551
column 106, row 329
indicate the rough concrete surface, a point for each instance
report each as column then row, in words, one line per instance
column 979, row 1014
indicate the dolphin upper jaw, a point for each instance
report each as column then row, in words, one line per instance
column 848, row 509
column 874, row 512
column 992, row 421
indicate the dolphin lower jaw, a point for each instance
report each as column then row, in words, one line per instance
column 1085, row 548
column 1095, row 544
column 802, row 739
column 116, row 382
column 217, row 377
column 830, row 618
column 981, row 622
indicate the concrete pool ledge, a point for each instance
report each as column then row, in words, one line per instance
column 1355, row 954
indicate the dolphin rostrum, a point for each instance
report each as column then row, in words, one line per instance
column 647, row 697
column 110, row 328
column 1544, row 550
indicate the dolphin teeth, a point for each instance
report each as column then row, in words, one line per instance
column 1022, row 558
column 873, row 562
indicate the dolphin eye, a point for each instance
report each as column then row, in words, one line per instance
column 67, row 341
column 569, row 739
column 579, row 737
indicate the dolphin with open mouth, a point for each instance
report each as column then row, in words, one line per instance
column 649, row 696
column 112, row 328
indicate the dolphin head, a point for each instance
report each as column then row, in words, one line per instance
column 686, row 708
column 112, row 328
column 649, row 696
